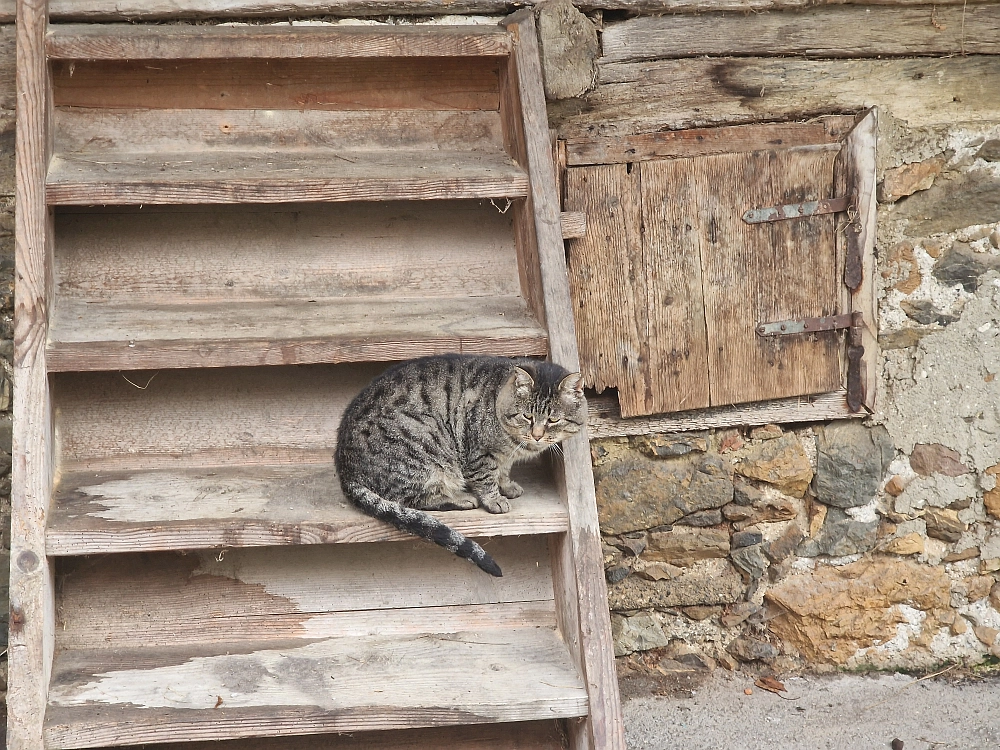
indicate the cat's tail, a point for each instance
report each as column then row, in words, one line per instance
column 420, row 524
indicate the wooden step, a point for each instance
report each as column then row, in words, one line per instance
column 108, row 336
column 349, row 684
column 250, row 506
column 177, row 42
column 128, row 178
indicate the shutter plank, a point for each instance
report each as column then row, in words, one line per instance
column 759, row 273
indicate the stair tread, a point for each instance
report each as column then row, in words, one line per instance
column 250, row 506
column 174, row 42
column 129, row 178
column 226, row 691
column 101, row 335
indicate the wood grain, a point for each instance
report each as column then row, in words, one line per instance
column 377, row 683
column 606, row 420
column 8, row 62
column 704, row 141
column 574, row 224
column 582, row 559
column 248, row 506
column 326, row 84
column 676, row 94
column 106, row 335
column 206, row 254
column 762, row 273
column 131, row 42
column 831, row 31
column 32, row 607
column 128, row 178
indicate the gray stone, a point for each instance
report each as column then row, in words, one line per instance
column 569, row 47
column 6, row 432
column 616, row 574
column 638, row 492
column 850, row 463
column 904, row 338
column 702, row 518
column 745, row 493
column 640, row 632
column 745, row 648
column 634, row 544
column 738, row 613
column 962, row 265
column 990, row 150
column 704, row 584
column 840, row 535
column 746, row 538
column 780, row 548
column 750, row 560
column 954, row 202
column 924, row 312
column 943, row 524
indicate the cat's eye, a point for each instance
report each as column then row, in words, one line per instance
column 554, row 420
column 529, row 417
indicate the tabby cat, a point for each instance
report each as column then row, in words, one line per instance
column 424, row 432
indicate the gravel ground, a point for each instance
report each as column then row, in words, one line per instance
column 820, row 713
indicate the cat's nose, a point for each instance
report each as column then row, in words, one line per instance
column 537, row 431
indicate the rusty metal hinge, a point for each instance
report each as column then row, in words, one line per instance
column 809, row 325
column 796, row 210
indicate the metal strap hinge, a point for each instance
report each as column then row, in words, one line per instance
column 796, row 210
column 809, row 325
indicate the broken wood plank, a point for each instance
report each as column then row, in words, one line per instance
column 606, row 421
column 310, row 84
column 100, row 336
column 183, row 42
column 673, row 144
column 245, row 506
column 332, row 685
column 574, row 224
column 129, row 178
column 675, row 94
column 832, row 31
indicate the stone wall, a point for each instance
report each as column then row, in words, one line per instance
column 855, row 544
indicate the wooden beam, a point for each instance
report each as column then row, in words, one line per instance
column 676, row 94
column 605, row 420
column 833, row 31
column 579, row 551
column 127, row 42
column 32, row 604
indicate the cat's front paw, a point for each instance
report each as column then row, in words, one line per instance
column 511, row 490
column 496, row 506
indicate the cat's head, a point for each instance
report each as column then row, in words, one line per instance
column 541, row 404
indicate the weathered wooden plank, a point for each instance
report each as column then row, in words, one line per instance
column 705, row 141
column 8, row 62
column 93, row 131
column 175, row 255
column 760, row 273
column 32, row 607
column 125, row 178
column 578, row 573
column 105, row 335
column 330, row 84
column 832, row 31
column 535, row 735
column 333, row 685
column 574, row 224
column 603, row 267
column 236, row 506
column 606, row 421
column 859, row 158
column 226, row 596
column 676, row 94
column 131, row 42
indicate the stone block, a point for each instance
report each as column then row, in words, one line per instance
column 781, row 548
column 670, row 445
column 702, row 518
column 686, row 545
column 911, row 544
column 970, row 553
column 909, row 179
column 990, row 151
column 924, row 312
column 943, row 524
column 853, row 606
column 640, row 632
column 746, row 538
column 707, row 583
column 746, row 648
column 840, row 535
column 962, row 265
column 934, row 458
column 569, row 47
column 750, row 560
column 781, row 462
column 851, row 460
column 636, row 492
column 955, row 201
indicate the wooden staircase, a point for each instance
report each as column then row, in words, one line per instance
column 223, row 233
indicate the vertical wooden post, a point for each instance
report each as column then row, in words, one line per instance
column 581, row 547
column 31, row 590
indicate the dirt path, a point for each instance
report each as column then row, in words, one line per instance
column 821, row 713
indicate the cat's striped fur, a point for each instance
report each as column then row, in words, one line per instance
column 424, row 432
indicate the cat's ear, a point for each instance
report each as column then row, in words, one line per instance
column 572, row 385
column 523, row 383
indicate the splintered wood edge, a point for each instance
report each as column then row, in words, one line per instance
column 126, row 42
column 605, row 421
